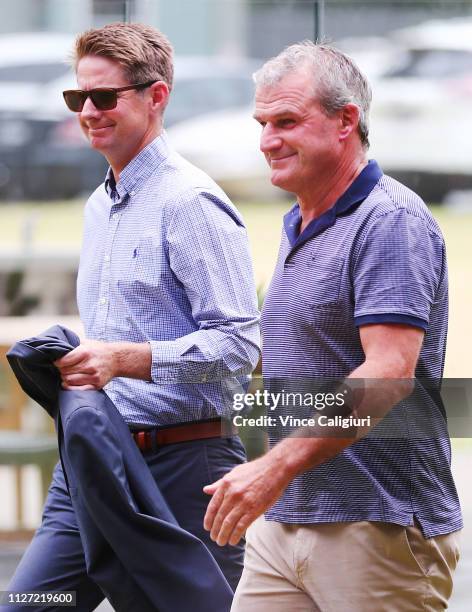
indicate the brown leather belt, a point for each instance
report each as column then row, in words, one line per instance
column 150, row 439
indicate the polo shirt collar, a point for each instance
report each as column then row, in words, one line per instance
column 138, row 170
column 353, row 196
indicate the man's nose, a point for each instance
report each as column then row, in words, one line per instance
column 89, row 109
column 270, row 140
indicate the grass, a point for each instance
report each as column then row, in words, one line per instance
column 58, row 225
column 55, row 224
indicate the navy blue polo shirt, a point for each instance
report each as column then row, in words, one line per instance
column 376, row 256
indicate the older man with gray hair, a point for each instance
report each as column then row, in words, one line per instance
column 355, row 519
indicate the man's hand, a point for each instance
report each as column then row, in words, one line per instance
column 241, row 496
column 93, row 363
column 89, row 366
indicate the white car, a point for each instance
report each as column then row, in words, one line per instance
column 421, row 110
column 29, row 61
column 226, row 146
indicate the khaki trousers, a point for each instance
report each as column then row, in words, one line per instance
column 345, row 567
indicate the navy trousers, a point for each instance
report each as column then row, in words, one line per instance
column 54, row 560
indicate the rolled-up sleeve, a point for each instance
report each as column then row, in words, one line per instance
column 208, row 252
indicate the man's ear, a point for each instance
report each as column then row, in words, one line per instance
column 160, row 93
column 348, row 120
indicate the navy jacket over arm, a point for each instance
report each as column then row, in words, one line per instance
column 134, row 548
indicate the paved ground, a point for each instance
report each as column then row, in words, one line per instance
column 461, row 599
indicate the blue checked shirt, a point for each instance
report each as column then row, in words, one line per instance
column 165, row 260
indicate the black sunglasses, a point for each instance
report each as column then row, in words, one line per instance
column 103, row 98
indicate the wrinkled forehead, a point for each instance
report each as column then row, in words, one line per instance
column 303, row 79
column 293, row 91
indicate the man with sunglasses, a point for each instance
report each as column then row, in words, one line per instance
column 166, row 296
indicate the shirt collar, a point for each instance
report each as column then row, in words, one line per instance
column 356, row 193
column 138, row 170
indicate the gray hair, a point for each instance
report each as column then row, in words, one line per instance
column 337, row 79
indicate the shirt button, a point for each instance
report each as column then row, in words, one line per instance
column 116, row 216
column 106, row 258
column 103, row 300
column 204, row 378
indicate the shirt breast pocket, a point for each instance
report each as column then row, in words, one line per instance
column 321, row 287
column 140, row 277
column 146, row 263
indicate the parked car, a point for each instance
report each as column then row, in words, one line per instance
column 421, row 109
column 43, row 154
column 419, row 121
column 28, row 62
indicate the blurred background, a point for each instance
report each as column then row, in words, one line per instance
column 418, row 57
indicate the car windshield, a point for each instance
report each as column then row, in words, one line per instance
column 33, row 73
column 433, row 64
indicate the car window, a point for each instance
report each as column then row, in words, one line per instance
column 33, row 73
column 192, row 97
column 433, row 64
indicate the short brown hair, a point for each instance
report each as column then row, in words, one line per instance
column 144, row 53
